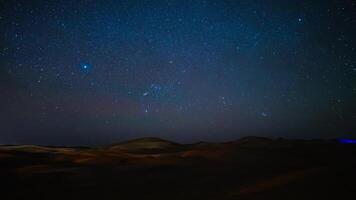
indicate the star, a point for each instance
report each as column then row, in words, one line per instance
column 155, row 87
column 85, row 66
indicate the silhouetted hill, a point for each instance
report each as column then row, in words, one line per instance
column 147, row 145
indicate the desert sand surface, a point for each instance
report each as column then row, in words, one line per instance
column 153, row 168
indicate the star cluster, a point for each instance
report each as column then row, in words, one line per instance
column 92, row 72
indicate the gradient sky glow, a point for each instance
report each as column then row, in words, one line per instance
column 97, row 72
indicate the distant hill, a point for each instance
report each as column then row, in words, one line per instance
column 147, row 145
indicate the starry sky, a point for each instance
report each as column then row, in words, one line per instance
column 97, row 72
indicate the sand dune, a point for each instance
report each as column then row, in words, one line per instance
column 152, row 168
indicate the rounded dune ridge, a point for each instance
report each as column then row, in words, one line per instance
column 149, row 143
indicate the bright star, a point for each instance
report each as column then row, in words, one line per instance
column 85, row 66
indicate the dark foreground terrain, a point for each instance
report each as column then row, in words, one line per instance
column 150, row 168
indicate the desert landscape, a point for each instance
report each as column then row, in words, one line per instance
column 177, row 100
column 153, row 168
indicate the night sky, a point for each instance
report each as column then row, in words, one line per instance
column 90, row 72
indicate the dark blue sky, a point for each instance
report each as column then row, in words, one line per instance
column 94, row 72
